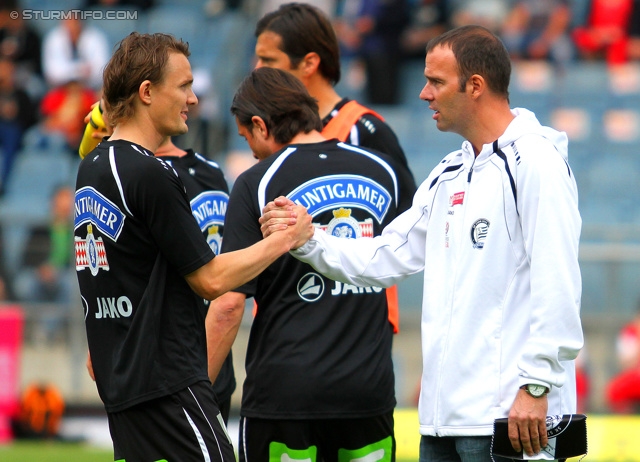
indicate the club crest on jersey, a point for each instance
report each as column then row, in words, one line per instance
column 479, row 231
column 214, row 239
column 209, row 208
column 91, row 207
column 90, row 253
column 333, row 191
column 344, row 225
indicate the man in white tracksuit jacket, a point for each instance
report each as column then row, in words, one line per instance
column 495, row 227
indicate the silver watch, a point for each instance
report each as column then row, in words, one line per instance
column 537, row 391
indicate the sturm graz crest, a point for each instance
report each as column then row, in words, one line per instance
column 479, row 231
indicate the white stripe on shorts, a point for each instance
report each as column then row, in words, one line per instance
column 203, row 446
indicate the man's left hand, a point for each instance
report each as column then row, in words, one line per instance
column 528, row 423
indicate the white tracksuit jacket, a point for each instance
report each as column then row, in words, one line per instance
column 502, row 286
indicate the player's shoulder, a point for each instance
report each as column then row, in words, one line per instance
column 367, row 151
column 136, row 163
column 452, row 162
column 200, row 159
column 536, row 152
column 374, row 123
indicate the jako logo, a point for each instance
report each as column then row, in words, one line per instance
column 311, row 287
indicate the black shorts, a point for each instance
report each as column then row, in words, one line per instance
column 183, row 427
column 320, row 440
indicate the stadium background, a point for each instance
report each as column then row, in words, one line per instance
column 598, row 108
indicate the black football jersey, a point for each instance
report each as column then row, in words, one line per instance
column 318, row 348
column 135, row 240
column 372, row 133
column 208, row 194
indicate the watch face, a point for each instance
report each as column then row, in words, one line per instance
column 536, row 390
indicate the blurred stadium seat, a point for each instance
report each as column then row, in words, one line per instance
column 42, row 165
column 129, row 20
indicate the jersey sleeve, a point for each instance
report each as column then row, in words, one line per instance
column 241, row 224
column 548, row 206
column 160, row 199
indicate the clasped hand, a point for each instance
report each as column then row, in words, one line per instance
column 282, row 213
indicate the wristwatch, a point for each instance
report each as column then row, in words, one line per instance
column 534, row 390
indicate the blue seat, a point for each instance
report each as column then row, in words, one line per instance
column 37, row 171
column 413, row 81
column 609, row 189
column 128, row 20
column 182, row 21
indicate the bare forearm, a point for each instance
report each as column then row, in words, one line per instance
column 223, row 322
column 230, row 270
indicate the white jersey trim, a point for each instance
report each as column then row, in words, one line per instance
column 378, row 160
column 262, row 187
column 116, row 176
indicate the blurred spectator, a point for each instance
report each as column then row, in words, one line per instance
column 74, row 51
column 6, row 287
column 17, row 113
column 606, row 31
column 328, row 7
column 583, row 381
column 46, row 274
column 20, row 43
column 63, row 109
column 539, row 29
column 634, row 32
column 623, row 390
column 216, row 7
column 488, row 13
column 371, row 30
column 4, row 290
column 41, row 410
column 428, row 19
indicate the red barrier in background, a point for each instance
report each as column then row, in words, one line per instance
column 11, row 326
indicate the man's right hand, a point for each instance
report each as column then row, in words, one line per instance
column 302, row 230
column 277, row 215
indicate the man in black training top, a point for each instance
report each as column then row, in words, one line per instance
column 144, row 266
column 320, row 381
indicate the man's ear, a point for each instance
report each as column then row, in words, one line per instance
column 309, row 64
column 144, row 92
column 259, row 127
column 477, row 85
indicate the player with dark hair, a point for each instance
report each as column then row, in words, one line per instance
column 300, row 39
column 144, row 266
column 320, row 381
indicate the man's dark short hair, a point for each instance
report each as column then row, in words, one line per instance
column 477, row 51
column 278, row 98
column 304, row 29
